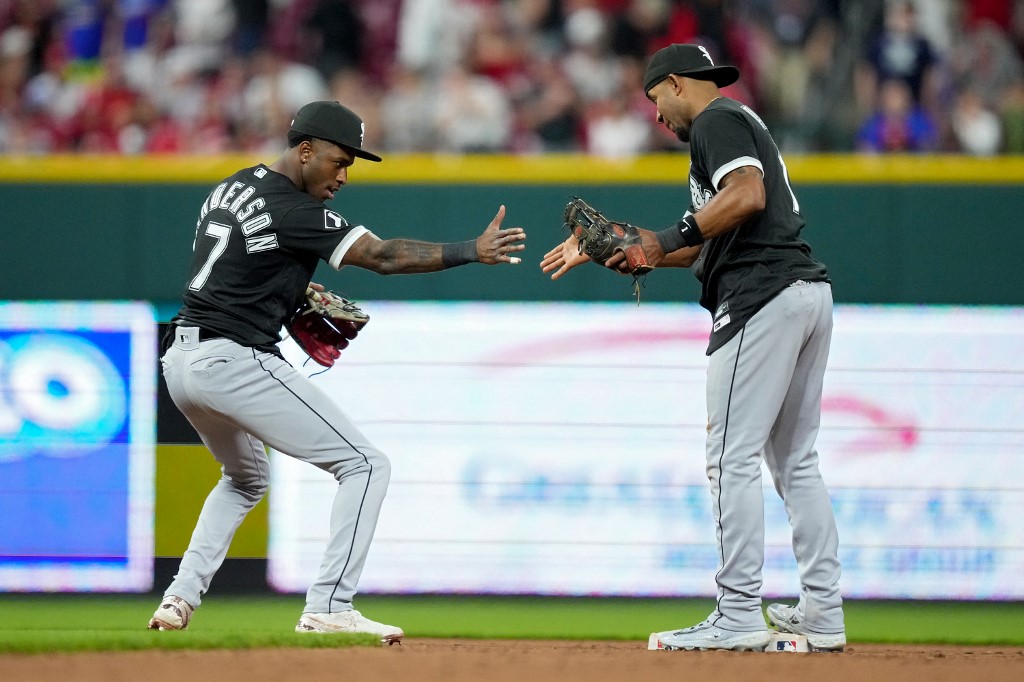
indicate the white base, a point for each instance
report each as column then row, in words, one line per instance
column 780, row 642
column 785, row 642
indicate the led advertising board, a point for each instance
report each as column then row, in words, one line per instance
column 559, row 449
column 77, row 445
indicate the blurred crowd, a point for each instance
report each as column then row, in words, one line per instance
column 505, row 76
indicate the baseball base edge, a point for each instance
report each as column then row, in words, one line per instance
column 787, row 643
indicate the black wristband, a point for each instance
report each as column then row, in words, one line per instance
column 683, row 233
column 458, row 253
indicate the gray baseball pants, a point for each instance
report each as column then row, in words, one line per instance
column 239, row 399
column 764, row 402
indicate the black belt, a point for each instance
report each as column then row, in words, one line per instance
column 204, row 334
column 168, row 340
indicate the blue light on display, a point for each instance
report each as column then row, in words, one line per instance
column 77, row 439
column 68, row 392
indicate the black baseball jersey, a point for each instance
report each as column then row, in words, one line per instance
column 743, row 269
column 258, row 241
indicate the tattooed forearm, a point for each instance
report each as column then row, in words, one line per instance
column 398, row 256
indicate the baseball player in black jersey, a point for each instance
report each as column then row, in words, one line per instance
column 260, row 235
column 771, row 307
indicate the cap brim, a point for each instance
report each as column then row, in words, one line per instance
column 354, row 151
column 363, row 154
column 721, row 75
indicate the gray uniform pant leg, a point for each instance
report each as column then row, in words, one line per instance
column 237, row 399
column 764, row 401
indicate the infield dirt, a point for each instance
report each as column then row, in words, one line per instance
column 522, row 661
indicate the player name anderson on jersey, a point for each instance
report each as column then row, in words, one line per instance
column 245, row 288
column 231, row 199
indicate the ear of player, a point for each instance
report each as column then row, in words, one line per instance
column 325, row 324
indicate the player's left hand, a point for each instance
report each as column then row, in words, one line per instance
column 564, row 257
column 496, row 243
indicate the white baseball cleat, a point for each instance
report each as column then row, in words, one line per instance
column 174, row 613
column 788, row 619
column 704, row 636
column 348, row 621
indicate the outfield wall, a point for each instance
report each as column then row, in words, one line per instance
column 935, row 230
column 891, row 229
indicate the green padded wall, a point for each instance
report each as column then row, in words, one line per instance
column 904, row 243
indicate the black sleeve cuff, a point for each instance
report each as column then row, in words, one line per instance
column 683, row 233
column 458, row 253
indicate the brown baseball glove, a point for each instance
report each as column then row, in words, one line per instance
column 601, row 238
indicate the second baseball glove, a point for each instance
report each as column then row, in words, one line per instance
column 325, row 324
column 601, row 238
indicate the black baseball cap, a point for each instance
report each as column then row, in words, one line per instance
column 690, row 61
column 335, row 123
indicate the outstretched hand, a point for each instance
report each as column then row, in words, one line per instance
column 564, row 257
column 496, row 243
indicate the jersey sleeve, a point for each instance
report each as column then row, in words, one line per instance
column 314, row 228
column 724, row 142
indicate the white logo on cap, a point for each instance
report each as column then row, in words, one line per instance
column 362, row 132
column 704, row 51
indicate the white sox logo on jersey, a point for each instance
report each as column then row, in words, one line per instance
column 332, row 220
column 698, row 195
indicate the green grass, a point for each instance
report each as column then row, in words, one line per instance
column 627, row 619
column 46, row 623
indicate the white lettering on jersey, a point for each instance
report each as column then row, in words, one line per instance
column 253, row 206
column 256, row 224
column 241, row 199
column 226, row 199
column 221, row 235
column 233, row 199
column 332, row 220
column 698, row 195
column 753, row 115
column 215, row 195
column 785, row 171
column 266, row 242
